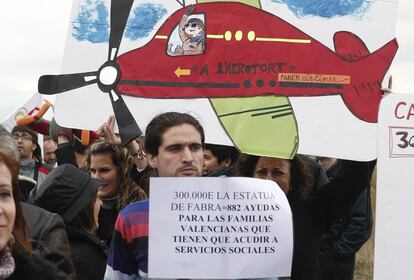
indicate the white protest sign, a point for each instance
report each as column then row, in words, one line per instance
column 219, row 228
column 394, row 249
column 31, row 105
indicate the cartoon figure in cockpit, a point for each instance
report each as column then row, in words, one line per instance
column 192, row 35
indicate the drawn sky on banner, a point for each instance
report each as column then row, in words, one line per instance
column 144, row 18
column 92, row 21
column 327, row 8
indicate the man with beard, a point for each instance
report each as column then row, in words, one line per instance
column 174, row 143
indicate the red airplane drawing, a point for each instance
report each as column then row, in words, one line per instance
column 250, row 52
column 247, row 52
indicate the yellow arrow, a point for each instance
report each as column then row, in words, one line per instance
column 182, row 72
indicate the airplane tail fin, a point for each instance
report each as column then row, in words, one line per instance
column 364, row 93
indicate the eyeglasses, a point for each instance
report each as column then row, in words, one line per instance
column 24, row 137
column 190, row 24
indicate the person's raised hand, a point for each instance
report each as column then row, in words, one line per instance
column 190, row 9
column 107, row 130
column 387, row 90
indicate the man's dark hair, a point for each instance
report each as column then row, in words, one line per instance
column 31, row 132
column 37, row 153
column 161, row 123
column 222, row 152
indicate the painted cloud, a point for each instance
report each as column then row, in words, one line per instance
column 327, row 8
column 92, row 21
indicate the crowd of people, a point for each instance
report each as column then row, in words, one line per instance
column 82, row 212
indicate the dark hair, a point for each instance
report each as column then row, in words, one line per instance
column 9, row 156
column 85, row 219
column 37, row 153
column 21, row 128
column 299, row 173
column 222, row 152
column 161, row 123
column 128, row 190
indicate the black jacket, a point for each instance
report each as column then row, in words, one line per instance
column 66, row 154
column 346, row 236
column 109, row 211
column 89, row 254
column 47, row 234
column 32, row 267
column 314, row 216
column 107, row 218
column 222, row 172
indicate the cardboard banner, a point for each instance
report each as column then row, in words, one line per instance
column 273, row 77
column 219, row 228
column 30, row 107
column 394, row 249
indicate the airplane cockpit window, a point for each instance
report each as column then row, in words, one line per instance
column 188, row 38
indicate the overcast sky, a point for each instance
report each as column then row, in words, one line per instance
column 27, row 50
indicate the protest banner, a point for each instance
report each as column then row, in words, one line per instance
column 272, row 77
column 394, row 249
column 219, row 228
column 31, row 106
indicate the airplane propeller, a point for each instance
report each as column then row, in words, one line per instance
column 119, row 15
column 52, row 84
column 106, row 77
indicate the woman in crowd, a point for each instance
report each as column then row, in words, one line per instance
column 313, row 212
column 71, row 193
column 108, row 161
column 16, row 258
column 112, row 164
